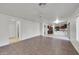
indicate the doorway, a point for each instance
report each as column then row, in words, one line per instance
column 14, row 31
column 58, row 31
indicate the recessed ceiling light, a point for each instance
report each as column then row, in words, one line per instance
column 57, row 21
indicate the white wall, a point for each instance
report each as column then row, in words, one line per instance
column 74, row 29
column 73, row 33
column 28, row 28
column 12, row 29
column 77, row 29
column 4, row 30
column 68, row 29
column 43, row 29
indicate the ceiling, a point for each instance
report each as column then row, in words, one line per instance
column 34, row 12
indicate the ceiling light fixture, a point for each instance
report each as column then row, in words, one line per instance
column 42, row 4
column 57, row 21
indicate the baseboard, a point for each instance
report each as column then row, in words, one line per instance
column 75, row 46
column 31, row 37
column 19, row 40
column 4, row 44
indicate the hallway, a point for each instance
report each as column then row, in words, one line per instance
column 39, row 46
column 59, row 35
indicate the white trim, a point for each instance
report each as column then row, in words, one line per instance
column 75, row 46
column 1, row 45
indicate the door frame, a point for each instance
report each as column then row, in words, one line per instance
column 17, row 30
